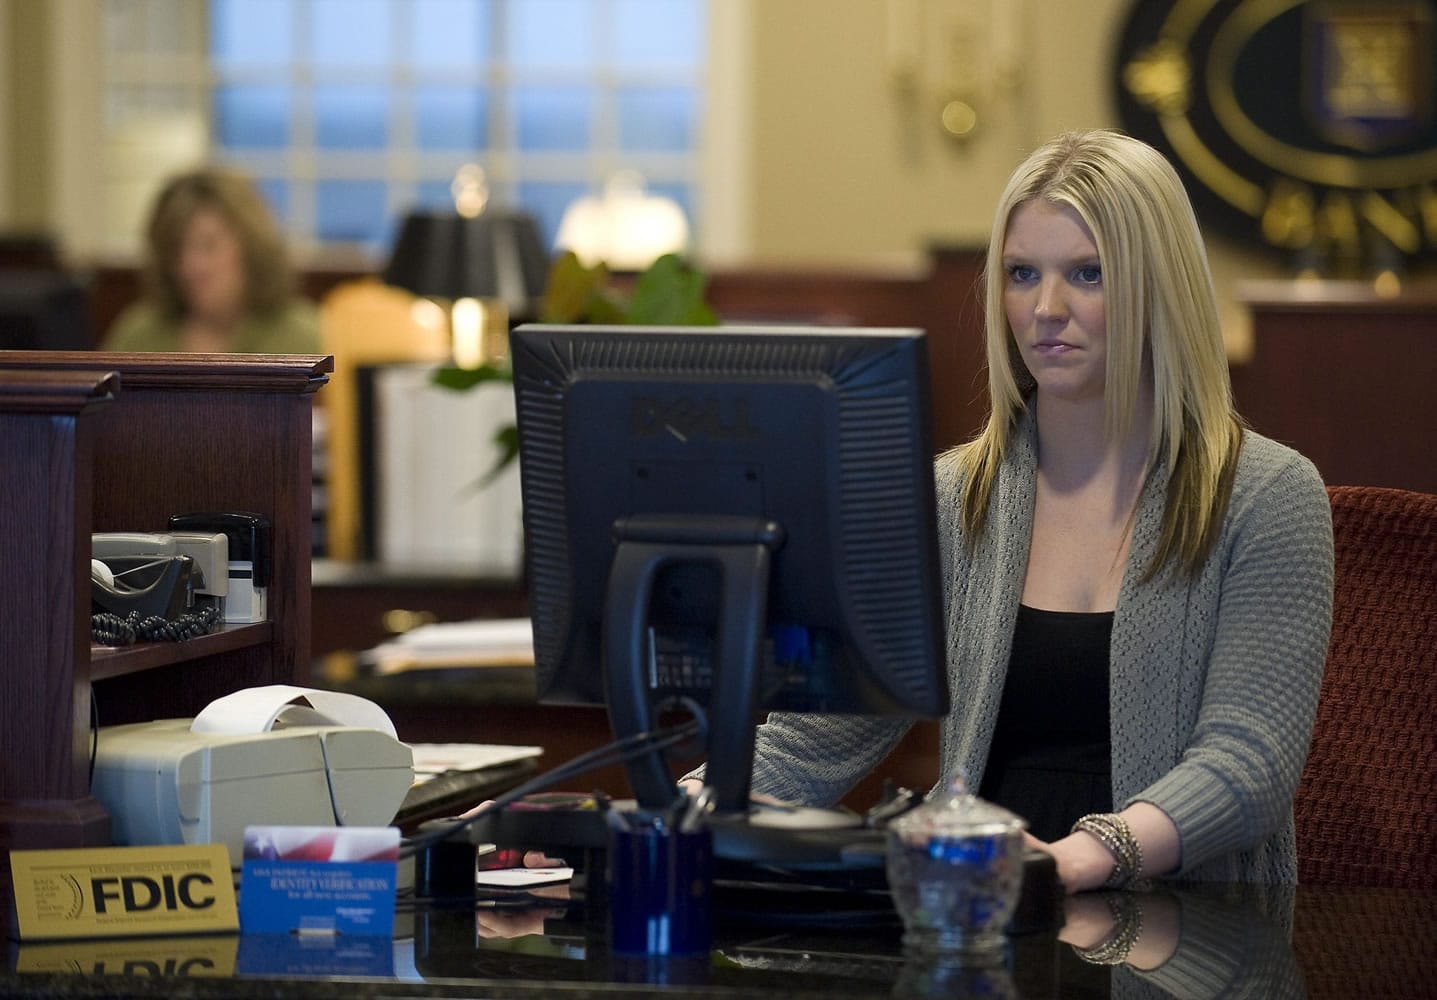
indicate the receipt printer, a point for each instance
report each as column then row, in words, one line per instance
column 203, row 780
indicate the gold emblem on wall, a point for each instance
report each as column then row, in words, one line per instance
column 1307, row 125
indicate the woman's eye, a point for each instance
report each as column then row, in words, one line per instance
column 1020, row 272
column 1091, row 274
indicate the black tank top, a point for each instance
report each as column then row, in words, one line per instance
column 1050, row 761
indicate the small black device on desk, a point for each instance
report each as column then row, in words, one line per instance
column 250, row 557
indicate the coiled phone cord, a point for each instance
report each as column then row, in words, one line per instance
column 108, row 629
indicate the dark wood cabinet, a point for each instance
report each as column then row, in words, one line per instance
column 120, row 442
column 1346, row 376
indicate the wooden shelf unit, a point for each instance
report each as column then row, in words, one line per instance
column 93, row 441
column 107, row 662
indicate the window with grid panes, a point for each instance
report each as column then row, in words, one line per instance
column 350, row 112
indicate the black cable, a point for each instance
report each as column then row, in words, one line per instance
column 617, row 752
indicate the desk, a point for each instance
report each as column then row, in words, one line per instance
column 356, row 606
column 497, row 705
column 1229, row 942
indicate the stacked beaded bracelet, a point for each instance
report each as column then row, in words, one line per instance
column 1127, row 928
column 1114, row 834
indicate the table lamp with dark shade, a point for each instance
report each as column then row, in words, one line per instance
column 487, row 264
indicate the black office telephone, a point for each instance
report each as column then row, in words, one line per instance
column 151, row 586
column 143, row 587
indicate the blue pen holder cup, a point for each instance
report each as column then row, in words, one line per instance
column 660, row 886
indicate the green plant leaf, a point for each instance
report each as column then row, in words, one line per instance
column 463, row 379
column 606, row 307
column 670, row 292
column 506, row 438
column 571, row 289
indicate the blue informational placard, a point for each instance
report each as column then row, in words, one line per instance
column 321, row 880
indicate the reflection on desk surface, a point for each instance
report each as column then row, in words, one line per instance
column 1216, row 941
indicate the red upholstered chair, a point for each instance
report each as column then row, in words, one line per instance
column 1366, row 807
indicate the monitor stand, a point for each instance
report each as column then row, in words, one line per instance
column 740, row 550
column 800, row 838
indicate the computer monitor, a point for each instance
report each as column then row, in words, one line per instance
column 44, row 311
column 738, row 516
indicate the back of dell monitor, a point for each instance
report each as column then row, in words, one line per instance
column 733, row 518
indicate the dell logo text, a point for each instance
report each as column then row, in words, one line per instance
column 685, row 419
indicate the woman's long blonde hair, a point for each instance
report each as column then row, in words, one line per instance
column 1161, row 312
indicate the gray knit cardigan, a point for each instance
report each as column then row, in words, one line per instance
column 1213, row 678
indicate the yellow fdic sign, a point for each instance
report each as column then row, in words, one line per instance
column 122, row 891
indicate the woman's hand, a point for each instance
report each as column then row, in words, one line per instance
column 1091, row 919
column 1087, row 920
column 512, row 922
column 692, row 786
column 512, row 859
column 1084, row 863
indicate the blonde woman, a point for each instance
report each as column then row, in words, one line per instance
column 217, row 278
column 1138, row 588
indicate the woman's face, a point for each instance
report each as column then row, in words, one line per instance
column 1053, row 298
column 210, row 268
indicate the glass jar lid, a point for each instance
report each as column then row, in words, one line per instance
column 953, row 811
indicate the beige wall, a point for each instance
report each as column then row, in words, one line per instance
column 6, row 117
column 24, row 109
column 846, row 169
column 50, row 109
column 848, row 166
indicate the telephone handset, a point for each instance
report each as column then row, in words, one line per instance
column 153, row 586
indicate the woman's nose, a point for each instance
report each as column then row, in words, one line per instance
column 1050, row 302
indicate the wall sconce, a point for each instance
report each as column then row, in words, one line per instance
column 962, row 60
column 484, row 265
column 624, row 228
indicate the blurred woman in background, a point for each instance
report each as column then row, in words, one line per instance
column 217, row 276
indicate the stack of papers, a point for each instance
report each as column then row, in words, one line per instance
column 491, row 642
column 438, row 758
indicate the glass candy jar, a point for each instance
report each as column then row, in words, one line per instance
column 955, row 869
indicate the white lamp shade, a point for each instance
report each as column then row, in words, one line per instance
column 625, row 228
